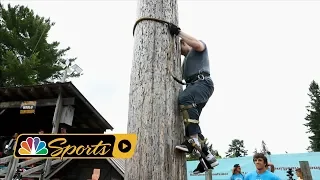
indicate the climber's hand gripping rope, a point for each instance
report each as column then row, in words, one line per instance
column 173, row 29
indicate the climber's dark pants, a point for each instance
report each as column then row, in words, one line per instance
column 197, row 93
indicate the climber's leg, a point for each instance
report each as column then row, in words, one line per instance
column 209, row 156
column 210, row 159
column 190, row 116
column 191, row 101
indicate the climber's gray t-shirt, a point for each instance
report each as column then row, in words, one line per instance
column 196, row 62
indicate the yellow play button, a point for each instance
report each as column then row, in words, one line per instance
column 124, row 146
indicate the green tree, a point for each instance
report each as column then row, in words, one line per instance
column 26, row 57
column 236, row 149
column 313, row 117
column 192, row 157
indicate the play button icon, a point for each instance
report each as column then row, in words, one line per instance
column 124, row 146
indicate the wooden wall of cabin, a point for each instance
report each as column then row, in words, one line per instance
column 83, row 169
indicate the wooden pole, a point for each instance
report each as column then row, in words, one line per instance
column 305, row 169
column 153, row 107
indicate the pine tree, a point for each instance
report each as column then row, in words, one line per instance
column 26, row 57
column 313, row 117
column 236, row 149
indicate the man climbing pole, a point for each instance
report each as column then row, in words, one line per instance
column 199, row 88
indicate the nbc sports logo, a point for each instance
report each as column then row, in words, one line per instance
column 33, row 146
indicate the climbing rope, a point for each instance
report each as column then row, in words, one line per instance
column 171, row 49
column 150, row 19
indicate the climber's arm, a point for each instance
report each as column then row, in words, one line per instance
column 271, row 167
column 191, row 41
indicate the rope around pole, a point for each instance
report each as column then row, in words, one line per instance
column 150, row 19
column 171, row 44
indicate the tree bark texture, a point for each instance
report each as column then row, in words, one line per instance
column 153, row 108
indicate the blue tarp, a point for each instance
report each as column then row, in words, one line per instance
column 282, row 163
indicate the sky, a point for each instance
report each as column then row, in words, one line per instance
column 263, row 56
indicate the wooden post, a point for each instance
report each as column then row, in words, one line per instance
column 209, row 174
column 304, row 165
column 13, row 168
column 12, row 165
column 153, row 101
column 9, row 168
column 55, row 123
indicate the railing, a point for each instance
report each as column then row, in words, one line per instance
column 14, row 163
column 5, row 159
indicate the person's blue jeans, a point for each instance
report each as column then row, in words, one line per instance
column 197, row 93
